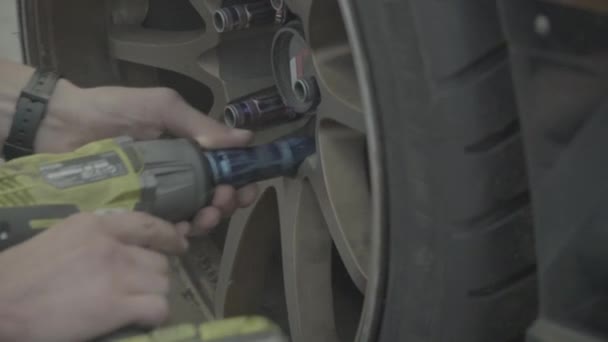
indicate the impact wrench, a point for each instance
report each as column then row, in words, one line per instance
column 168, row 178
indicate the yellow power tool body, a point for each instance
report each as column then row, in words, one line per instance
column 168, row 178
column 237, row 329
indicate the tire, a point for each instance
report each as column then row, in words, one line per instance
column 461, row 251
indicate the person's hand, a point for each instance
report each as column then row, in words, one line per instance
column 77, row 116
column 86, row 276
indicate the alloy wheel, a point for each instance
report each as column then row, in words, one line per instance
column 307, row 254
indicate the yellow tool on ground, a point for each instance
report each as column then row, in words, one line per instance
column 238, row 329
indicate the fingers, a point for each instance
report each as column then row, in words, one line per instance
column 147, row 260
column 147, row 310
column 145, row 231
column 183, row 229
column 144, row 284
column 225, row 202
column 183, row 120
column 139, row 282
column 206, row 219
column 247, row 195
column 225, row 199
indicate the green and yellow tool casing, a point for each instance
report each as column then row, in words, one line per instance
column 235, row 329
column 167, row 178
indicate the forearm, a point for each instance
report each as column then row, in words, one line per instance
column 13, row 78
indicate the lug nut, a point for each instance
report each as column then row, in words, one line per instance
column 306, row 89
column 243, row 16
column 281, row 16
column 281, row 11
column 277, row 4
column 258, row 112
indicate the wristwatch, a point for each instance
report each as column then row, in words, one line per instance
column 29, row 113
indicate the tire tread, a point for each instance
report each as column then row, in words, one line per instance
column 461, row 241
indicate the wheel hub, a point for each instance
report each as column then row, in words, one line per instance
column 293, row 69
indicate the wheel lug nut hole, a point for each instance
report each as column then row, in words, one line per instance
column 305, row 90
column 302, row 90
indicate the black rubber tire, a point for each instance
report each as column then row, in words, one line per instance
column 462, row 265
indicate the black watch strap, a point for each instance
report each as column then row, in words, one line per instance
column 30, row 111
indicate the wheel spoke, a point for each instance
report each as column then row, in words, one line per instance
column 177, row 51
column 302, row 9
column 335, row 68
column 341, row 183
column 299, row 284
column 307, row 248
column 251, row 277
column 343, row 111
column 343, row 193
column 170, row 50
column 205, row 9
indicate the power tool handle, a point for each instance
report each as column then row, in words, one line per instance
column 18, row 224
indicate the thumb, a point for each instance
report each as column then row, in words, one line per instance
column 185, row 121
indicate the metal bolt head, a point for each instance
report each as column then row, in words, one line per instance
column 258, row 111
column 239, row 17
column 277, row 4
column 305, row 89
